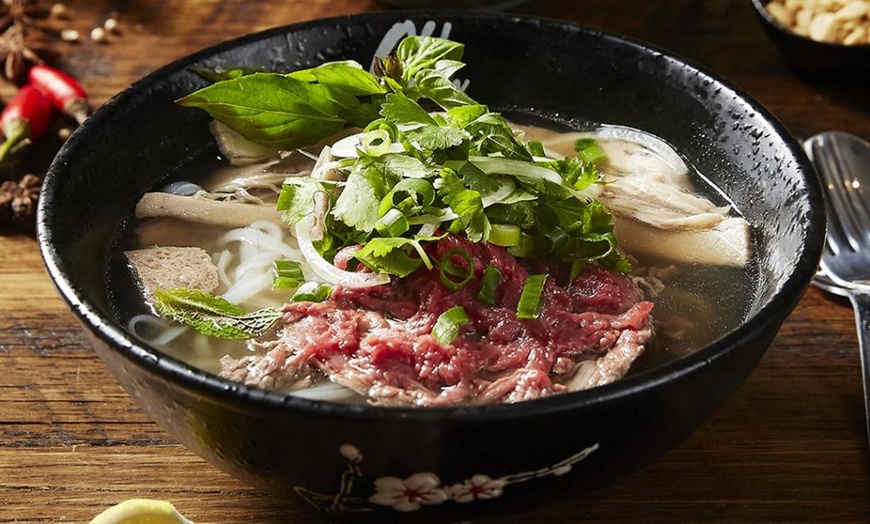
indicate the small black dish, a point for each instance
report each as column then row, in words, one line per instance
column 446, row 464
column 820, row 61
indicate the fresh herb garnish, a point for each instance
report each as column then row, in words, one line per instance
column 212, row 315
column 459, row 169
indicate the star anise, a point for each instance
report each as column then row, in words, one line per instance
column 18, row 203
column 18, row 47
column 21, row 11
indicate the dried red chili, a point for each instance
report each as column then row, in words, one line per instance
column 24, row 118
column 62, row 90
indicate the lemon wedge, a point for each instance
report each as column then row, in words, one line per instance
column 141, row 511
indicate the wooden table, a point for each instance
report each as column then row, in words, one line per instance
column 789, row 446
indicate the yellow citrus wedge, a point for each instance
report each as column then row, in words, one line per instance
column 141, row 511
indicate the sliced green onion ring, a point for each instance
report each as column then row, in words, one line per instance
column 447, row 327
column 530, row 299
column 392, row 224
column 489, row 285
column 505, row 235
column 376, row 142
column 449, row 269
column 287, row 273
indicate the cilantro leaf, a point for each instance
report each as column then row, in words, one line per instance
column 296, row 199
column 435, row 138
column 469, row 206
column 389, row 255
column 357, row 206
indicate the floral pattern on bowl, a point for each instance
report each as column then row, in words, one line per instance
column 424, row 488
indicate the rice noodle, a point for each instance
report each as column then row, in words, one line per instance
column 166, row 332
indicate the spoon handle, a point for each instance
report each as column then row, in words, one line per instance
column 861, row 304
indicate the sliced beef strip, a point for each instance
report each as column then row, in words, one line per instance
column 378, row 341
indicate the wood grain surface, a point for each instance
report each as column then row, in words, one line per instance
column 788, row 447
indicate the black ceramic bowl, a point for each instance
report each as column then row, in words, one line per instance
column 813, row 59
column 441, row 464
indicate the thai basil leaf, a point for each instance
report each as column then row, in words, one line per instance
column 348, row 76
column 274, row 110
column 423, row 52
column 438, row 88
column 402, row 110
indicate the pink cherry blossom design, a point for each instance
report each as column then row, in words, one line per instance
column 478, row 487
column 408, row 494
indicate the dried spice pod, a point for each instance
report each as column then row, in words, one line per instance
column 18, row 203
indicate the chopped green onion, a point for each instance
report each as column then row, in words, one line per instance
column 288, row 273
column 449, row 269
column 376, row 142
column 505, row 235
column 392, row 224
column 489, row 285
column 285, row 197
column 447, row 327
column 588, row 150
column 312, row 292
column 530, row 299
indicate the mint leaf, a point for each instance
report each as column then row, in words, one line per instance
column 274, row 110
column 212, row 315
column 348, row 76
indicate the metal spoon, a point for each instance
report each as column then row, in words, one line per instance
column 842, row 161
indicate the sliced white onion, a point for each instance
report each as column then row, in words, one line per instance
column 346, row 147
column 329, row 272
column 518, row 168
column 432, row 219
column 428, row 230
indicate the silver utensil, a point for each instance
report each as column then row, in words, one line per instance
column 842, row 162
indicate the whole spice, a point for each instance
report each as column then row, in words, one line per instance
column 18, row 202
column 24, row 118
column 62, row 90
column 19, row 48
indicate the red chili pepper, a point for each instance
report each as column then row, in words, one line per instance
column 62, row 90
column 24, row 118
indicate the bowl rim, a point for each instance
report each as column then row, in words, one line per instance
column 772, row 22
column 198, row 381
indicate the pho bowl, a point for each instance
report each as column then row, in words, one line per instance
column 453, row 463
